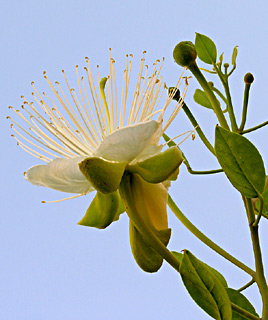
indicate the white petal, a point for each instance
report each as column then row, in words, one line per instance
column 60, row 174
column 127, row 143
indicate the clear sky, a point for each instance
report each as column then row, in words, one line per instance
column 51, row 268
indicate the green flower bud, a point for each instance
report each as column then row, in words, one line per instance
column 211, row 84
column 226, row 65
column 185, row 53
column 248, row 79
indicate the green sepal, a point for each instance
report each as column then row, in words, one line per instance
column 201, row 98
column 104, row 175
column 216, row 273
column 221, row 58
column 241, row 162
column 240, row 300
column 103, row 210
column 160, row 167
column 234, row 56
column 206, row 49
column 205, row 288
column 146, row 257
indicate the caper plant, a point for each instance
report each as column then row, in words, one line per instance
column 89, row 144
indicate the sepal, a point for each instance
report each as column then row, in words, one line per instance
column 160, row 167
column 105, row 176
column 103, row 210
column 146, row 257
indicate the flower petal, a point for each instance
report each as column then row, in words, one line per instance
column 127, row 143
column 60, row 174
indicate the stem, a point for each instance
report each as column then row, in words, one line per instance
column 224, row 80
column 255, row 128
column 213, row 100
column 245, row 107
column 147, row 233
column 219, row 94
column 260, row 278
column 256, row 222
column 198, row 129
column 247, row 285
column 205, row 239
column 172, row 143
column 244, row 313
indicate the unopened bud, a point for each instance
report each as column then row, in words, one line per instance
column 185, row 53
column 226, row 65
column 248, row 78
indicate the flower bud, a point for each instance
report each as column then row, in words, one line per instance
column 185, row 53
column 248, row 79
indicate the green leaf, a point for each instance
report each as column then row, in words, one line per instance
column 221, row 58
column 146, row 257
column 205, row 288
column 234, row 56
column 240, row 300
column 206, row 49
column 216, row 273
column 160, row 167
column 201, row 98
column 103, row 210
column 104, row 175
column 241, row 162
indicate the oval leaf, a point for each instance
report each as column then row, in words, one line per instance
column 206, row 49
column 241, row 162
column 240, row 300
column 216, row 273
column 103, row 210
column 205, row 288
column 201, row 98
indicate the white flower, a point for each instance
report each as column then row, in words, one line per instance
column 64, row 131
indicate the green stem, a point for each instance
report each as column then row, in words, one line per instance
column 259, row 278
column 213, row 100
column 244, row 313
column 247, row 285
column 256, row 222
column 198, row 129
column 224, row 80
column 146, row 232
column 255, row 128
column 172, row 144
column 245, row 107
column 219, row 94
column 205, row 239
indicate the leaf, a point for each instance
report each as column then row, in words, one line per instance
column 221, row 58
column 205, row 288
column 104, row 175
column 216, row 273
column 240, row 300
column 160, row 167
column 241, row 162
column 146, row 257
column 103, row 210
column 206, row 49
column 234, row 55
column 201, row 98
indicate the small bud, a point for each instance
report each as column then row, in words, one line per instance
column 248, row 78
column 226, row 65
column 185, row 53
column 211, row 84
column 175, row 95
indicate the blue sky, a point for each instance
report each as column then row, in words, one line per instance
column 51, row 268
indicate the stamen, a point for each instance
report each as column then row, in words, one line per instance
column 60, row 200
